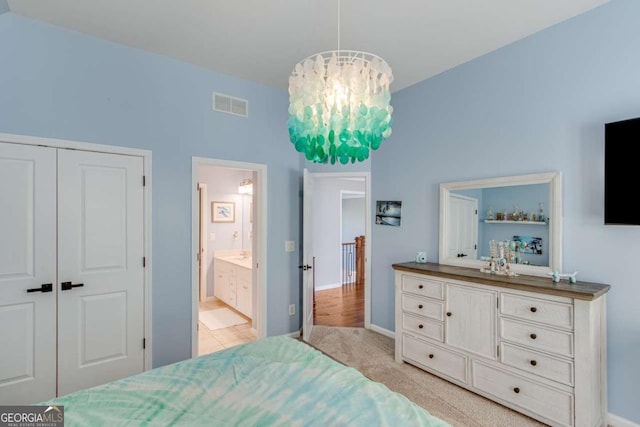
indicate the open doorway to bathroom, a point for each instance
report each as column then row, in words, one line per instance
column 228, row 236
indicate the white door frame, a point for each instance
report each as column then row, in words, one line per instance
column 342, row 198
column 367, row 228
column 259, row 261
column 203, row 274
column 147, row 228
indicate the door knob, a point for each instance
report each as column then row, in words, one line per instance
column 65, row 286
column 305, row 267
column 45, row 287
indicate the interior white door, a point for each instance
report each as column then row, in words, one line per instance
column 307, row 256
column 100, row 268
column 463, row 223
column 27, row 272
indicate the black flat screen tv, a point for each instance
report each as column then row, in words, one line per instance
column 621, row 171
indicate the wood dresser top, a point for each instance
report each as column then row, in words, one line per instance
column 543, row 285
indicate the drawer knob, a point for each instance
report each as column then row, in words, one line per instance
column 420, row 286
column 516, row 390
column 449, row 313
column 533, row 363
column 431, row 356
column 420, row 306
column 533, row 309
column 420, row 326
column 533, row 336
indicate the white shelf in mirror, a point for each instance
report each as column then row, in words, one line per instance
column 495, row 221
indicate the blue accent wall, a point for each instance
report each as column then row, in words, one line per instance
column 4, row 7
column 537, row 105
column 62, row 84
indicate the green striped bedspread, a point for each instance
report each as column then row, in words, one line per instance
column 276, row 381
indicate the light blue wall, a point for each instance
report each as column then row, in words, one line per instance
column 4, row 7
column 537, row 105
column 61, row 84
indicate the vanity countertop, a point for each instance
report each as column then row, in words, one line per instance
column 544, row 285
column 239, row 260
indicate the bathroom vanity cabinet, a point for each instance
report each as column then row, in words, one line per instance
column 526, row 342
column 232, row 283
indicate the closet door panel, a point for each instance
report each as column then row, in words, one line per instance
column 101, row 276
column 27, row 262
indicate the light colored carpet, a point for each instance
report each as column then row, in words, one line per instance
column 373, row 355
column 220, row 318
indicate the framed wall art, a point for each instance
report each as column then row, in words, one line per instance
column 223, row 212
column 388, row 213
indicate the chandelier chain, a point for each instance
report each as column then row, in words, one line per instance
column 339, row 24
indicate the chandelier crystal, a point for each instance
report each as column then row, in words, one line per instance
column 339, row 106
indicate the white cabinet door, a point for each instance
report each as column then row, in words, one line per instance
column 27, row 261
column 243, row 290
column 470, row 320
column 100, row 251
column 221, row 280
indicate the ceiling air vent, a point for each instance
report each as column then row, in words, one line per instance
column 231, row 105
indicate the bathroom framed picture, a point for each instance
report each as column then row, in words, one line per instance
column 223, row 212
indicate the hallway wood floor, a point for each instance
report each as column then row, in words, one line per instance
column 343, row 306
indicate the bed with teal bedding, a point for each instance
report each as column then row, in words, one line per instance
column 276, row 381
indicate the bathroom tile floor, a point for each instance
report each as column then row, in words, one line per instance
column 210, row 341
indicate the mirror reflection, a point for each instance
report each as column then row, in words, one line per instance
column 516, row 215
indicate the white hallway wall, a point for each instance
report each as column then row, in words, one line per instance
column 327, row 239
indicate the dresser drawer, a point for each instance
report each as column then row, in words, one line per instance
column 538, row 337
column 423, row 307
column 537, row 363
column 537, row 310
column 423, row 286
column 448, row 363
column 555, row 405
column 422, row 326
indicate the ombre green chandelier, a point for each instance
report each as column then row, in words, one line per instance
column 339, row 106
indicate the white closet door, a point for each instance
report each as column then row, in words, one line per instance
column 100, row 250
column 27, row 261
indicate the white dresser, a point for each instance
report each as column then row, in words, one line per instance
column 526, row 342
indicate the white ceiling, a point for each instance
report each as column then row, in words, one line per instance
column 262, row 40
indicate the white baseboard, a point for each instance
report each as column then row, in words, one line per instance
column 383, row 331
column 616, row 421
column 295, row 334
column 329, row 286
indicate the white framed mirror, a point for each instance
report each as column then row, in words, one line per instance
column 523, row 208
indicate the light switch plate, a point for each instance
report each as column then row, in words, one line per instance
column 289, row 246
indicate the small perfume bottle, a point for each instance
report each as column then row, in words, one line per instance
column 541, row 212
column 490, row 213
